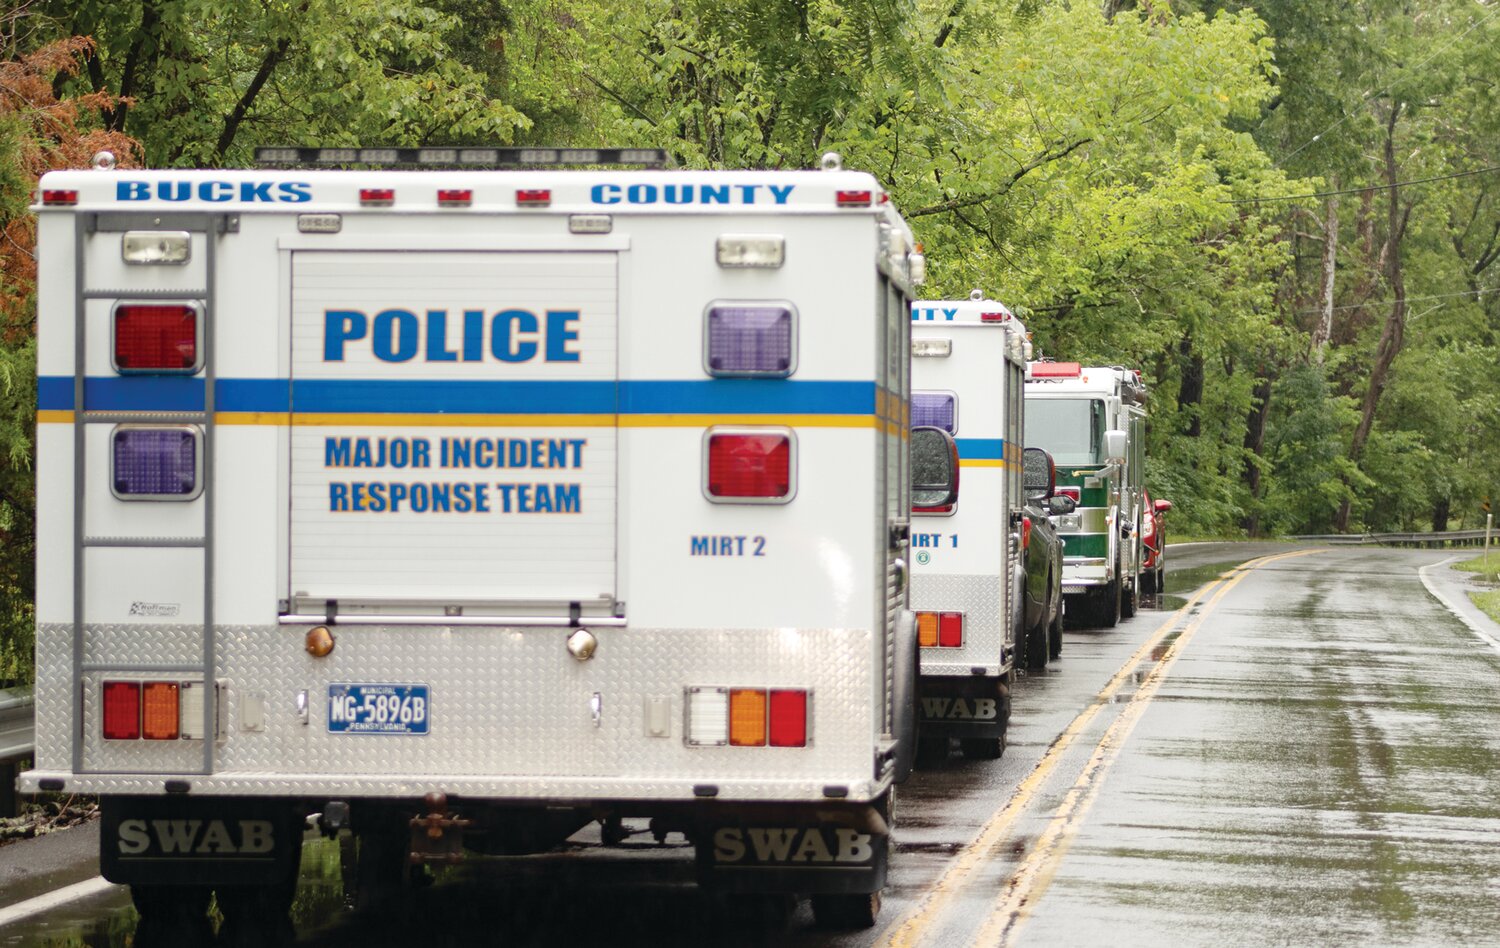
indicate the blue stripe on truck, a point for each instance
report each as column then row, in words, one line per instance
column 715, row 396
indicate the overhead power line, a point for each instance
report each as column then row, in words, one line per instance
column 1368, row 187
column 1372, row 92
column 1409, row 299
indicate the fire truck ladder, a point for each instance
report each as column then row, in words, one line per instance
column 86, row 225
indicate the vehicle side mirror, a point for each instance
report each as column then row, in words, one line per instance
column 934, row 467
column 1039, row 474
column 1114, row 447
column 1162, row 506
column 1061, row 504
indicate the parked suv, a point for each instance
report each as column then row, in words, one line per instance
column 1042, row 557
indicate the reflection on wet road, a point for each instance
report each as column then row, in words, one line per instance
column 1304, row 752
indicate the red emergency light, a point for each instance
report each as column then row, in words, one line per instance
column 750, row 466
column 994, row 317
column 533, row 197
column 59, row 198
column 377, row 197
column 156, row 337
column 1056, row 370
column 854, row 198
column 455, row 197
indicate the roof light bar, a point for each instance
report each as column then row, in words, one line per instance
column 1056, row 370
column 462, row 157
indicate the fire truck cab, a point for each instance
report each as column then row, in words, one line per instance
column 1092, row 420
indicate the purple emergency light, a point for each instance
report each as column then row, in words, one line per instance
column 156, row 462
column 935, row 409
column 750, row 340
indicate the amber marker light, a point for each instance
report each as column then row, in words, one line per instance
column 319, row 641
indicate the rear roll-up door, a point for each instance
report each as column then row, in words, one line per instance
column 453, row 433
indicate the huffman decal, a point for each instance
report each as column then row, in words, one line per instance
column 791, row 846
column 958, row 709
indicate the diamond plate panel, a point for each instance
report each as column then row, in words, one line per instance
column 986, row 633
column 510, row 715
column 132, row 644
column 54, row 671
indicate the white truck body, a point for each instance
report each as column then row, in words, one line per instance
column 472, row 442
column 968, row 367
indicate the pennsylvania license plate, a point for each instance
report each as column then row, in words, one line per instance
column 377, row 709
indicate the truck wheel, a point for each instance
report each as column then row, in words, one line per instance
column 982, row 748
column 1036, row 648
column 1054, row 634
column 846, row 911
column 256, row 914
column 932, row 748
column 1130, row 592
column 1108, row 603
column 904, row 699
column 172, row 915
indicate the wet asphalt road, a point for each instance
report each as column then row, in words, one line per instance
column 1301, row 753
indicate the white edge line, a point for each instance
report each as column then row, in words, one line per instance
column 11, row 914
column 1442, row 597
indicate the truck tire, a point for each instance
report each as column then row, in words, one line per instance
column 1036, row 647
column 172, row 915
column 904, row 698
column 846, row 911
column 1055, row 631
column 1129, row 595
column 990, row 748
column 1108, row 603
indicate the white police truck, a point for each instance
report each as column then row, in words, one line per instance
column 466, row 506
column 968, row 376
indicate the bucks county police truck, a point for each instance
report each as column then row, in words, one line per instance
column 463, row 507
column 1092, row 421
column 968, row 374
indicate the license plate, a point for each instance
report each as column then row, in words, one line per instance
column 377, row 709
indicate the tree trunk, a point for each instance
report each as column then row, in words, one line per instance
column 1441, row 511
column 1394, row 333
column 1324, row 330
column 1190, row 391
column 1255, row 442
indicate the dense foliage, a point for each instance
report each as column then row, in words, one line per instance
column 1287, row 214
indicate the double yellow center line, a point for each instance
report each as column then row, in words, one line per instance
column 1030, row 878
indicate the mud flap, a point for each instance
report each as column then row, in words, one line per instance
column 198, row 841
column 795, row 853
column 963, row 707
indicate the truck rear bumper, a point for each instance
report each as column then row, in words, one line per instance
column 551, row 791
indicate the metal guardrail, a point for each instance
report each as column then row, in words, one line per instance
column 17, row 741
column 1431, row 539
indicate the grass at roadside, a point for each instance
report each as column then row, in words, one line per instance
column 1489, row 602
column 1488, row 571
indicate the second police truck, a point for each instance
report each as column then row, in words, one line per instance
column 968, row 373
column 465, row 507
column 1091, row 419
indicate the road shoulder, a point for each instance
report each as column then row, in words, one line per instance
column 1451, row 587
